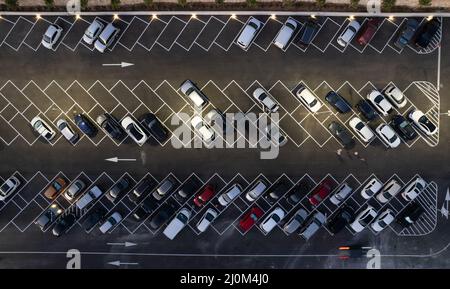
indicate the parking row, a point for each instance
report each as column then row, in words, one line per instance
column 294, row 206
column 421, row 35
column 156, row 112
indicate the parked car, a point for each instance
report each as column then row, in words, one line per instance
column 248, row 33
column 106, row 38
column 368, row 30
column 188, row 189
column 93, row 218
column 177, row 224
column 342, row 134
column 276, row 192
column 410, row 214
column 63, row 224
column 68, row 133
column 92, row 194
column 313, row 225
column 55, row 188
column 344, row 216
column 364, row 218
column 299, row 191
column 297, row 220
column 349, row 32
column 269, row 104
column 403, row 128
column 426, row 33
column 407, row 33
column 414, row 189
column 395, row 96
column 422, row 122
column 361, row 129
column 218, row 121
column 341, row 193
column 380, row 102
column 118, row 189
column 272, row 219
column 162, row 216
column 285, row 34
column 383, row 220
column 134, row 130
column 43, row 128
column 320, row 192
column 308, row 99
column 366, row 110
column 206, row 195
column 275, row 135
column 165, row 188
column 144, row 210
column 309, row 30
column 49, row 215
column 338, row 102
column 111, row 126
column 51, row 36
column 258, row 188
column 389, row 190
column 372, row 187
column 250, row 218
column 388, row 135
column 85, row 125
column 93, row 31
column 208, row 217
column 9, row 187
column 155, row 127
column 142, row 189
column 194, row 94
column 110, row 222
column 205, row 131
column 227, row 197
column 74, row 190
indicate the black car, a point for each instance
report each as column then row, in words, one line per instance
column 367, row 110
column 111, row 126
column 85, row 125
column 188, row 189
column 299, row 191
column 162, row 216
column 93, row 218
column 63, row 224
column 338, row 102
column 343, row 216
column 403, row 127
column 50, row 215
column 306, row 36
column 410, row 214
column 427, row 32
column 142, row 189
column 145, row 209
column 407, row 33
column 342, row 134
column 118, row 189
column 276, row 191
column 155, row 127
column 165, row 188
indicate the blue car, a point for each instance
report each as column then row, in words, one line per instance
column 367, row 110
column 85, row 125
column 338, row 102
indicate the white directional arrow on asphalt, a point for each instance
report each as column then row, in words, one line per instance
column 116, row 159
column 118, row 263
column 122, row 64
column 125, row 244
column 444, row 209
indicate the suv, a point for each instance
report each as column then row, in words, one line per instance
column 141, row 190
column 285, row 33
column 426, row 33
column 177, row 224
column 93, row 31
column 162, row 216
column 118, row 189
column 164, row 188
column 110, row 125
column 407, row 33
column 107, row 37
column 410, row 214
column 368, row 30
column 85, row 125
column 342, row 134
column 343, row 216
column 276, row 191
column 309, row 31
column 145, row 209
column 93, row 218
column 313, row 225
column 155, row 127
column 50, row 215
column 93, row 194
column 338, row 102
column 268, row 103
column 320, row 192
column 248, row 33
column 194, row 94
column 367, row 110
column 403, row 127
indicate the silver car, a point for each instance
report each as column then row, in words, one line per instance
column 269, row 104
column 93, row 31
column 107, row 37
column 313, row 225
column 9, row 187
column 295, row 222
column 349, row 33
column 74, row 190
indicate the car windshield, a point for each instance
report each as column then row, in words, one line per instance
column 47, row 39
column 37, row 124
column 366, row 219
column 253, row 25
column 57, row 186
column 134, row 131
column 378, row 98
column 253, row 217
column 276, row 218
column 209, row 217
column 112, row 221
column 5, row 188
column 403, row 124
column 393, row 138
column 182, row 218
column 359, row 125
column 313, row 103
column 382, row 223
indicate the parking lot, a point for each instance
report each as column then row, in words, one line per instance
column 165, row 50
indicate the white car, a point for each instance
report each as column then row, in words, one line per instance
column 269, row 104
column 43, row 128
column 275, row 135
column 380, row 102
column 371, row 188
column 388, row 135
column 395, row 95
column 66, row 130
column 272, row 220
column 93, row 31
column 308, row 99
column 91, row 195
column 106, row 38
column 257, row 190
column 74, row 190
column 390, row 190
column 341, row 193
column 349, row 33
column 207, row 219
column 383, row 220
column 285, row 34
column 51, row 36
column 9, row 187
column 248, row 33
column 194, row 94
column 177, row 224
column 422, row 122
column 364, row 132
column 134, row 130
column 414, row 189
column 205, row 131
column 230, row 195
column 218, row 121
column 363, row 219
column 110, row 222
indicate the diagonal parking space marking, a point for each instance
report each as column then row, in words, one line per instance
column 325, row 35
column 190, row 33
column 125, row 96
column 147, row 96
column 268, row 33
column 59, row 96
column 171, row 33
column 18, row 33
column 6, row 27
column 384, row 35
column 102, row 95
column 210, row 33
column 75, row 34
column 15, row 97
column 81, row 96
column 229, row 33
column 133, row 32
column 37, row 96
column 149, row 37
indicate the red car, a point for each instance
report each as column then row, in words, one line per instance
column 321, row 192
column 250, row 218
column 368, row 31
column 205, row 196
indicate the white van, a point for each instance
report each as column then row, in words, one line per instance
column 230, row 195
column 248, row 33
column 285, row 34
column 194, row 94
column 177, row 224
